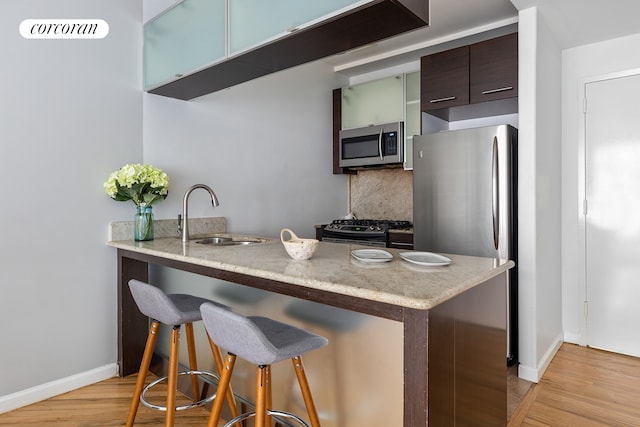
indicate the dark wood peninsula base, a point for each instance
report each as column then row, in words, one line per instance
column 454, row 353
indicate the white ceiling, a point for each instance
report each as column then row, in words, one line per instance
column 579, row 22
column 457, row 22
column 450, row 20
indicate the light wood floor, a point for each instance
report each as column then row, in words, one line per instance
column 102, row 404
column 582, row 387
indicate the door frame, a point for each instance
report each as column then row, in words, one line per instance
column 582, row 171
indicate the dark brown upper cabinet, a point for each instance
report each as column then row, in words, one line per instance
column 472, row 81
column 493, row 72
column 444, row 79
column 359, row 26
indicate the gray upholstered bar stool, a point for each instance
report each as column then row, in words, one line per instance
column 173, row 310
column 261, row 341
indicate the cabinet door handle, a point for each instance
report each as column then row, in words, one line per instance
column 401, row 244
column 448, row 98
column 501, row 89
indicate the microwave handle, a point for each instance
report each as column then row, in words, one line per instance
column 380, row 144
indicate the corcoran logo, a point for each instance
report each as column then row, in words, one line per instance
column 64, row 29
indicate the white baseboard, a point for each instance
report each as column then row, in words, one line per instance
column 45, row 391
column 572, row 338
column 534, row 374
column 528, row 373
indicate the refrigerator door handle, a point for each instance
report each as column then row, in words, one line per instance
column 495, row 175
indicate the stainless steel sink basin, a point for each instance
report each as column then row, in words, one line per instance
column 226, row 241
column 214, row 240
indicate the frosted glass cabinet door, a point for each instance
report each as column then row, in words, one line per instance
column 376, row 102
column 254, row 22
column 412, row 115
column 183, row 39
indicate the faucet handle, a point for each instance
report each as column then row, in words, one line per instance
column 179, row 225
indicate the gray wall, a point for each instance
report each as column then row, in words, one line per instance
column 70, row 113
column 539, row 195
column 263, row 146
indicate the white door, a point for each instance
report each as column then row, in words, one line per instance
column 612, row 233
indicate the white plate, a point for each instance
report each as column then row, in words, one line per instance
column 371, row 255
column 428, row 259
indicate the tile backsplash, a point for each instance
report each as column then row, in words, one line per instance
column 382, row 194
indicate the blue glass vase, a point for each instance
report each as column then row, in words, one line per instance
column 143, row 223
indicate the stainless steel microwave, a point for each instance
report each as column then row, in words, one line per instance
column 375, row 145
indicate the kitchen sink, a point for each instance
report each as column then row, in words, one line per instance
column 228, row 241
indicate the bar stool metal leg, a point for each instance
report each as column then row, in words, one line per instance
column 172, row 376
column 261, row 396
column 193, row 363
column 269, row 400
column 142, row 373
column 223, row 387
column 230, row 397
column 306, row 391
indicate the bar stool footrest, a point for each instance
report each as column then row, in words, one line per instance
column 200, row 402
column 282, row 414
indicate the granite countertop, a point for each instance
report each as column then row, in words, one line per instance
column 333, row 269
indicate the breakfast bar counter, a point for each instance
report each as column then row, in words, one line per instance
column 453, row 317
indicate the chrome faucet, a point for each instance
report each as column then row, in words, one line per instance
column 183, row 222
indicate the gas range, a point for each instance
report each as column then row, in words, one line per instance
column 368, row 232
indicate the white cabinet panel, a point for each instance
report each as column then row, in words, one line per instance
column 412, row 115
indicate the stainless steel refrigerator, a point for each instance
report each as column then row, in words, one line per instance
column 465, row 200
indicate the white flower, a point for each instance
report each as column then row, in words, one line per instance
column 144, row 184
